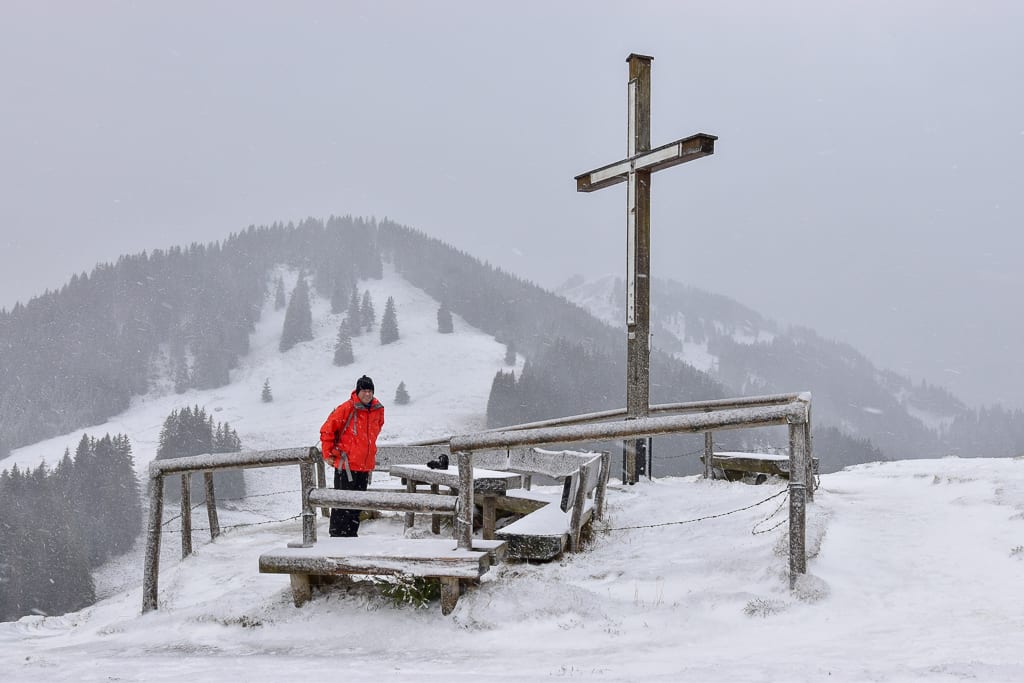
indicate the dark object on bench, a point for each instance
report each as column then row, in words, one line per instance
column 440, row 464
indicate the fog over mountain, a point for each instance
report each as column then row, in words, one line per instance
column 865, row 183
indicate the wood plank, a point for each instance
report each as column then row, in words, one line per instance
column 383, row 500
column 484, row 481
column 416, row 557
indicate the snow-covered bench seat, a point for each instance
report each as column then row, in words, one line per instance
column 546, row 532
column 385, row 555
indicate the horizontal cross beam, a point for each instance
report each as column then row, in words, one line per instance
column 666, row 156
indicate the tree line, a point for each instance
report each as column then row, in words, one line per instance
column 57, row 525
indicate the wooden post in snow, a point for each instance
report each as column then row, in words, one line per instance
column 798, row 457
column 211, row 506
column 464, row 514
column 152, row 566
column 186, row 515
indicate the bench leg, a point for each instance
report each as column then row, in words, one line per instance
column 435, row 520
column 301, row 591
column 449, row 594
column 490, row 517
column 410, row 517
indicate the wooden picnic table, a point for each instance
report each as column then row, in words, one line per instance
column 487, row 486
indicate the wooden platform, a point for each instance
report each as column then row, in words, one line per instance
column 376, row 555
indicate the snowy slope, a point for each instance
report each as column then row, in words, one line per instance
column 448, row 377
column 915, row 568
column 914, row 575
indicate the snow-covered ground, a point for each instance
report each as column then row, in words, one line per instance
column 915, row 570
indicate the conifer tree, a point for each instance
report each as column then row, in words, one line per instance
column 354, row 317
column 510, row 353
column 339, row 297
column 298, row 319
column 279, row 301
column 401, row 395
column 367, row 316
column 343, row 347
column 444, row 319
column 389, row 323
column 267, row 396
column 190, row 431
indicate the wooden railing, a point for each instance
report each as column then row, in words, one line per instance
column 705, row 417
column 793, row 410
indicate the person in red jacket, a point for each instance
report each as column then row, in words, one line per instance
column 349, row 442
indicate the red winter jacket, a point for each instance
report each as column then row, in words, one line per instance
column 353, row 428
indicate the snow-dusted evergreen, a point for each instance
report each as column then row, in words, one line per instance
column 389, row 323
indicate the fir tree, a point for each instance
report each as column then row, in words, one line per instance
column 354, row 316
column 510, row 353
column 190, row 431
column 298, row 319
column 401, row 395
column 339, row 297
column 279, row 302
column 367, row 316
column 389, row 323
column 444, row 319
column 343, row 347
column 267, row 396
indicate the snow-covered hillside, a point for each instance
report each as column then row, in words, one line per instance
column 448, row 377
column 914, row 573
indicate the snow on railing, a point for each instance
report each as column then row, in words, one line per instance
column 793, row 410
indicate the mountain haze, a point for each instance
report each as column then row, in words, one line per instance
column 182, row 320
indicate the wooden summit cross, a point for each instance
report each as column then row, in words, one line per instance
column 636, row 169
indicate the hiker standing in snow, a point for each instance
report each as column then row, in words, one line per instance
column 349, row 442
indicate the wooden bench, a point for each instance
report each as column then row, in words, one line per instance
column 732, row 466
column 375, row 555
column 427, row 557
column 551, row 524
column 557, row 523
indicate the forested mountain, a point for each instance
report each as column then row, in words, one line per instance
column 751, row 354
column 75, row 357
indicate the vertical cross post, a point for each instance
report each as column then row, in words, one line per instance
column 636, row 170
column 638, row 258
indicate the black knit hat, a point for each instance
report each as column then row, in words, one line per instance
column 364, row 382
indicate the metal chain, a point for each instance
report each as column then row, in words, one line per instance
column 224, row 500
column 754, row 530
column 236, row 526
column 701, row 519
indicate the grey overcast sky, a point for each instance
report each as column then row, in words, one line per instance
column 867, row 181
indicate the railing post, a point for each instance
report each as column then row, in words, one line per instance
column 150, row 574
column 810, row 456
column 709, row 453
column 321, row 475
column 464, row 515
column 306, row 476
column 186, row 515
column 797, row 499
column 606, row 464
column 211, row 506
